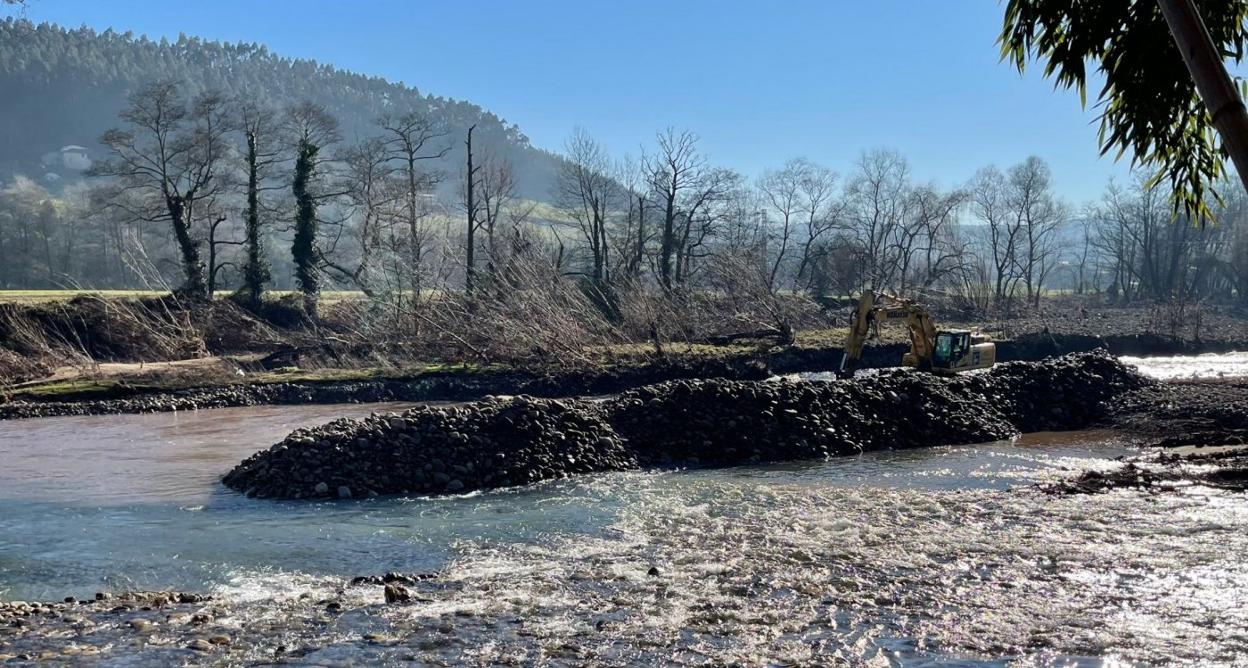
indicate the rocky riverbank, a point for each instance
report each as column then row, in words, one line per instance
column 1219, row 466
column 451, row 385
column 519, row 440
column 743, row 363
column 1194, row 432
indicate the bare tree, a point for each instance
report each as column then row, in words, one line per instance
column 497, row 190
column 167, row 165
column 782, row 188
column 701, row 212
column 374, row 193
column 215, row 242
column 939, row 252
column 471, row 184
column 876, row 202
column 674, row 169
column 1234, row 215
column 632, row 236
column 411, row 140
column 1039, row 216
column 1151, row 255
column 820, row 212
column 1084, row 262
column 586, row 190
column 990, row 205
column 745, row 230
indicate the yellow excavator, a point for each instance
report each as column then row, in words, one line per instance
column 943, row 351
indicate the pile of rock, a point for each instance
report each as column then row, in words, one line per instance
column 515, row 441
column 437, row 450
column 1062, row 393
column 719, row 423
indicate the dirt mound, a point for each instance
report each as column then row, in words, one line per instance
column 496, row 443
column 15, row 368
column 1198, row 431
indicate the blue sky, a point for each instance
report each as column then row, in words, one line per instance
column 760, row 82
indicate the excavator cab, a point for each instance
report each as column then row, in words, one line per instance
column 961, row 350
column 948, row 347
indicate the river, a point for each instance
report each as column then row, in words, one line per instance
column 944, row 555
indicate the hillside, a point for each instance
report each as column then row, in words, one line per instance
column 65, row 87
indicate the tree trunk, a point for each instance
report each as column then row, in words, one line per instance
column 256, row 271
column 471, row 205
column 641, row 236
column 667, row 247
column 303, row 249
column 195, row 286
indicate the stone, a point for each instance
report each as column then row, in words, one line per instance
column 397, row 593
column 321, row 488
column 199, row 645
column 344, row 492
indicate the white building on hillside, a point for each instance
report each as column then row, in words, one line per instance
column 72, row 158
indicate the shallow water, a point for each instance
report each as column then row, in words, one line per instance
column 1172, row 367
column 1212, row 365
column 935, row 556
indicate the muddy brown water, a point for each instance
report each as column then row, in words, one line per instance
column 936, row 556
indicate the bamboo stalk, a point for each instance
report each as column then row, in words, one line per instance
column 1225, row 105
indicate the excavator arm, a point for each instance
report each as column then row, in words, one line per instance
column 859, row 329
column 877, row 307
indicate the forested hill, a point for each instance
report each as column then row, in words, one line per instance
column 65, row 87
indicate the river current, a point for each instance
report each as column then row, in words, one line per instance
column 946, row 555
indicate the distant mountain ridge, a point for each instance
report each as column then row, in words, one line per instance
column 65, row 87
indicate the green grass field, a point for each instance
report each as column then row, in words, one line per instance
column 44, row 296
column 49, row 296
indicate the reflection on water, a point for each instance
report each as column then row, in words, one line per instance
column 940, row 555
column 134, row 501
column 161, row 457
column 1213, row 365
